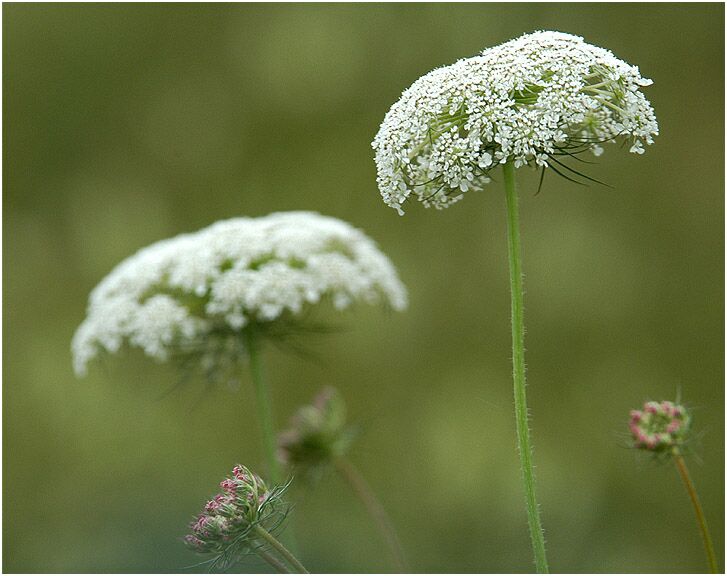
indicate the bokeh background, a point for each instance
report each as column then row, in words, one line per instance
column 126, row 124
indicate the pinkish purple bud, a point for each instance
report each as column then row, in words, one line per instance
column 674, row 425
column 194, row 542
column 660, row 426
column 651, row 407
column 241, row 473
column 199, row 525
column 228, row 516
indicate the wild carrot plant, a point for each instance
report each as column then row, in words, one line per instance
column 210, row 299
column 537, row 101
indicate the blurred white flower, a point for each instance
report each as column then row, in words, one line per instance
column 542, row 95
column 195, row 292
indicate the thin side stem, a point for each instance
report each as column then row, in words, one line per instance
column 279, row 566
column 280, row 549
column 377, row 512
column 701, row 520
column 518, row 369
column 264, row 405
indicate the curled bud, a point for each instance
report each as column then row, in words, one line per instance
column 228, row 519
column 317, row 435
column 659, row 426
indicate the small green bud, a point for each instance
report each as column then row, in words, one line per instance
column 317, row 435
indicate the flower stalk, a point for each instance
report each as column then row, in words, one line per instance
column 280, row 549
column 265, row 414
column 698, row 511
column 264, row 404
column 518, row 368
column 280, row 567
column 375, row 509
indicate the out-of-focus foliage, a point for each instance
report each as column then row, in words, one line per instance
column 126, row 123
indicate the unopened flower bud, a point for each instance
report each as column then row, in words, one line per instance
column 659, row 426
column 227, row 518
column 317, row 435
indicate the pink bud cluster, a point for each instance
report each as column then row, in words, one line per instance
column 659, row 426
column 229, row 514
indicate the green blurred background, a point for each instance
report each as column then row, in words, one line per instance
column 126, row 124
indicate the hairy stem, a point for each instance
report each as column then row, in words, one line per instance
column 264, row 405
column 274, row 543
column 701, row 520
column 518, row 369
column 377, row 512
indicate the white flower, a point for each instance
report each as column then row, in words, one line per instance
column 190, row 292
column 531, row 100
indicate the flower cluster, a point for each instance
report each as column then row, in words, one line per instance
column 660, row 426
column 529, row 100
column 318, row 434
column 196, row 292
column 227, row 519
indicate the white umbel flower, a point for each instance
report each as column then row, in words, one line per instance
column 188, row 291
column 545, row 94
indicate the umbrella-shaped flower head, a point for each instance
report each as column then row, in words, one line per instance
column 533, row 100
column 196, row 292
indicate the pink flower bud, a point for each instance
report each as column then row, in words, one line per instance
column 228, row 516
column 660, row 426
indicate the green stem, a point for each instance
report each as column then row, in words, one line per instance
column 279, row 566
column 361, row 488
column 518, row 368
column 264, row 405
column 265, row 412
column 701, row 520
column 280, row 549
